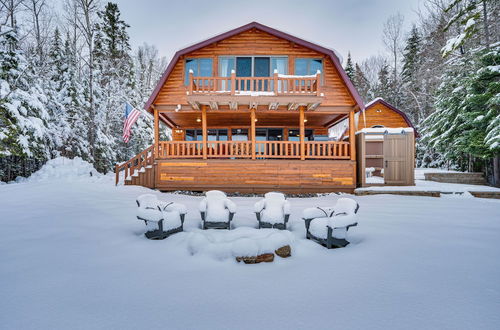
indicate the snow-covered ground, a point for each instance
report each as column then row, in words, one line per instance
column 73, row 256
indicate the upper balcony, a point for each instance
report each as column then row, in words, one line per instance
column 275, row 91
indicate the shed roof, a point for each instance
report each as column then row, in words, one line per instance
column 380, row 100
column 340, row 127
column 329, row 52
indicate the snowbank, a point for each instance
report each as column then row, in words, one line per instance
column 64, row 169
column 74, row 256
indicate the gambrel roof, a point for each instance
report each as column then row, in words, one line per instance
column 326, row 51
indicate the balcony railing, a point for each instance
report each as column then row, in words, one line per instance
column 256, row 86
column 260, row 150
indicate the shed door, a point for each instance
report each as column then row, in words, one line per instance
column 395, row 159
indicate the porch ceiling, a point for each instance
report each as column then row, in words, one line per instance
column 242, row 119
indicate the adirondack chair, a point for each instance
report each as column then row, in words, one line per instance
column 328, row 226
column 162, row 219
column 273, row 211
column 216, row 210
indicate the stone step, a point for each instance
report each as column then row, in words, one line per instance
column 473, row 178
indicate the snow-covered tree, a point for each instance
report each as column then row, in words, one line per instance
column 465, row 126
column 362, row 84
column 23, row 116
column 349, row 67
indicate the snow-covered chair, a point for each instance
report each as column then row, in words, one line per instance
column 216, row 210
column 329, row 225
column 162, row 219
column 273, row 211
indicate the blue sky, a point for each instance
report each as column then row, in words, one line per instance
column 354, row 25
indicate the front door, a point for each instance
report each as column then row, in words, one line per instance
column 395, row 159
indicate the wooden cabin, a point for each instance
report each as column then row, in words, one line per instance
column 249, row 111
column 377, row 114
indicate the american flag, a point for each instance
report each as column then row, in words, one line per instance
column 131, row 115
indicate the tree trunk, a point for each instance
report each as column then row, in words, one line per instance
column 485, row 24
column 496, row 171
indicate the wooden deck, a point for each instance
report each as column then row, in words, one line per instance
column 256, row 176
column 275, row 166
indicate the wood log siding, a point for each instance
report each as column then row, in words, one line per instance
column 255, row 42
column 379, row 114
column 246, row 175
column 261, row 149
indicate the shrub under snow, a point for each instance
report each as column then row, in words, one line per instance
column 62, row 168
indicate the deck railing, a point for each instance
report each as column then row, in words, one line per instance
column 261, row 149
column 275, row 85
column 327, row 150
column 277, row 149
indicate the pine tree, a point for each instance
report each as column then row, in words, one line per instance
column 383, row 87
column 23, row 117
column 471, row 18
column 410, row 75
column 464, row 127
column 349, row 68
column 362, row 84
column 411, row 56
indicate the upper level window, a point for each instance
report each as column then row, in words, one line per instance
column 252, row 66
column 201, row 67
column 308, row 66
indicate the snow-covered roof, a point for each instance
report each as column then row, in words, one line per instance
column 372, row 102
column 386, row 130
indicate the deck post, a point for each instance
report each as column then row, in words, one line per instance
column 117, row 175
column 204, row 129
column 252, row 130
column 233, row 82
column 275, row 82
column 352, row 137
column 318, row 83
column 157, row 132
column 191, row 81
column 302, row 133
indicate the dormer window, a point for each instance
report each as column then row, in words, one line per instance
column 201, row 67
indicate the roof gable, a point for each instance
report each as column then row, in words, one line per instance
column 329, row 52
column 380, row 100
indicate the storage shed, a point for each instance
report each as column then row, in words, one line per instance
column 386, row 156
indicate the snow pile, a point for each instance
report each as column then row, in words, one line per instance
column 240, row 242
column 66, row 169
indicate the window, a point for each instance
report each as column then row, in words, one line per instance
column 268, row 134
column 294, row 135
column 252, row 66
column 212, row 135
column 202, row 67
column 239, row 134
column 308, row 66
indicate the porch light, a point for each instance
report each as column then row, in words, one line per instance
column 255, row 119
column 305, row 120
column 198, row 120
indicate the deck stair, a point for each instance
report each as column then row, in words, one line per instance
column 139, row 170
